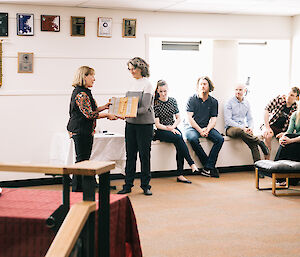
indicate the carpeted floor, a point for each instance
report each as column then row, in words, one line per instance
column 225, row 217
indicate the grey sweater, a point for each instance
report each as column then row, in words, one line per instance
column 142, row 88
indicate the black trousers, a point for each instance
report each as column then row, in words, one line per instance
column 182, row 151
column 138, row 139
column 289, row 152
column 83, row 149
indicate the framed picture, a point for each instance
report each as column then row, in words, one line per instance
column 77, row 26
column 25, row 24
column 3, row 24
column 50, row 23
column 129, row 28
column 25, row 62
column 104, row 27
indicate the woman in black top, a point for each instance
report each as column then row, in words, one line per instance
column 83, row 115
column 165, row 109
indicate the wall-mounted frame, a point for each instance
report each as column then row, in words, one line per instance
column 25, row 24
column 104, row 27
column 50, row 23
column 77, row 26
column 3, row 24
column 25, row 62
column 129, row 28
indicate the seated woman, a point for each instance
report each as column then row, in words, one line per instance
column 165, row 109
column 289, row 148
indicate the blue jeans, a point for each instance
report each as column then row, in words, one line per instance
column 208, row 162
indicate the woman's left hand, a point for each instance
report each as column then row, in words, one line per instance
column 284, row 140
column 175, row 131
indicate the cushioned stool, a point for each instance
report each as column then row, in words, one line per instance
column 277, row 169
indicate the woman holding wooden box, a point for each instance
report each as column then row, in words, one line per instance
column 139, row 130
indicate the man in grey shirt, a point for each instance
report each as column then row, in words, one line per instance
column 239, row 122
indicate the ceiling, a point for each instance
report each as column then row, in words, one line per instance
column 250, row 7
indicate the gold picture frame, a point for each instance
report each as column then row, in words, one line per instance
column 129, row 28
column 77, row 26
column 25, row 62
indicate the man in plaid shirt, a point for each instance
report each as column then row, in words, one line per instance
column 277, row 115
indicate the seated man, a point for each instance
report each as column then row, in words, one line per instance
column 239, row 122
column 202, row 111
column 277, row 115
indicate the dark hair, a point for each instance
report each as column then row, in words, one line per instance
column 159, row 83
column 296, row 90
column 211, row 85
column 138, row 62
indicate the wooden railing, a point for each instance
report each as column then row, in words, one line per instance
column 82, row 215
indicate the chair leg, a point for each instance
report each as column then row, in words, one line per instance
column 274, row 184
column 256, row 178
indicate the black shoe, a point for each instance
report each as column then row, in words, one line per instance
column 147, row 192
column 184, row 181
column 210, row 172
column 264, row 148
column 124, row 191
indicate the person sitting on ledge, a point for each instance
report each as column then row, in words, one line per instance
column 239, row 123
column 202, row 112
column 165, row 108
column 277, row 115
column 289, row 148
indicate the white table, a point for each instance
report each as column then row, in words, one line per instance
column 106, row 147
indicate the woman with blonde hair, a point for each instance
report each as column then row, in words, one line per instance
column 83, row 115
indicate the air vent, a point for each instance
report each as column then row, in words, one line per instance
column 180, row 45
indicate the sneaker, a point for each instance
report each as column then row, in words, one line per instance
column 264, row 148
column 210, row 172
column 205, row 172
column 147, row 192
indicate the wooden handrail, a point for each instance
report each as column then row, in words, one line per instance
column 87, row 168
column 69, row 232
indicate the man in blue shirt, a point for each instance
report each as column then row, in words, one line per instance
column 202, row 111
column 239, row 122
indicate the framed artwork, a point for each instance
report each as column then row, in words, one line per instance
column 129, row 28
column 25, row 24
column 77, row 26
column 104, row 27
column 3, row 24
column 25, row 62
column 50, row 23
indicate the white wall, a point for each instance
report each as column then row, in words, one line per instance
column 34, row 106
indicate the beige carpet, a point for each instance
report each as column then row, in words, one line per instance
column 213, row 217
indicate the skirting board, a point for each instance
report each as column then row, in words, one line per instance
column 157, row 174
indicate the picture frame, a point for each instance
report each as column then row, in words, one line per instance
column 25, row 22
column 129, row 28
column 77, row 26
column 3, row 24
column 25, row 62
column 104, row 27
column 50, row 23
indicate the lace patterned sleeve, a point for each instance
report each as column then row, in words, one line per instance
column 84, row 104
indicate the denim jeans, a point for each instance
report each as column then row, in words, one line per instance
column 208, row 161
